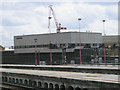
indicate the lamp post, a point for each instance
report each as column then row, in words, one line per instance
column 104, row 41
column 39, row 57
column 79, row 19
column 49, row 18
column 35, row 52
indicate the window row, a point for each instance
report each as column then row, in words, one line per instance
column 30, row 46
column 57, row 46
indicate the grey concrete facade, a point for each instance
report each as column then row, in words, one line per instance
column 2, row 48
column 26, row 43
column 111, row 38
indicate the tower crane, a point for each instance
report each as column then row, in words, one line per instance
column 58, row 25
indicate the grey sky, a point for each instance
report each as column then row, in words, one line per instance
column 20, row 18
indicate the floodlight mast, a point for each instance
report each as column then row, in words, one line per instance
column 104, row 41
column 58, row 26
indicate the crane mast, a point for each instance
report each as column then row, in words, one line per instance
column 58, row 26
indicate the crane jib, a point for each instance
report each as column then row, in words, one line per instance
column 56, row 23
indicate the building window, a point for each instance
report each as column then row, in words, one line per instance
column 77, row 44
column 94, row 44
column 71, row 45
column 87, row 45
column 101, row 45
column 82, row 44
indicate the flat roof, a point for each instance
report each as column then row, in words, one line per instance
column 111, row 35
column 57, row 33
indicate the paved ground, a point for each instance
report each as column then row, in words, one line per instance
column 70, row 66
column 69, row 75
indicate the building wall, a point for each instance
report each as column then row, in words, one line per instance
column 110, row 39
column 60, row 39
column 27, row 55
column 112, row 42
column 43, row 39
column 9, row 57
column 86, row 37
column 2, row 48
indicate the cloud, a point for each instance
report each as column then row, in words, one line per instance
column 60, row 1
column 110, row 27
column 69, row 13
column 32, row 18
column 92, row 16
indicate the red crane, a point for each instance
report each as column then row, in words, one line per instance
column 56, row 23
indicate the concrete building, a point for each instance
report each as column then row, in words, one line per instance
column 112, row 43
column 111, row 39
column 64, row 46
column 68, row 40
column 2, row 48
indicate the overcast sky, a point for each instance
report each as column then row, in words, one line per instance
column 23, row 18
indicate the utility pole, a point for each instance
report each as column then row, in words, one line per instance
column 35, row 52
column 104, row 41
column 79, row 19
column 49, row 18
column 39, row 57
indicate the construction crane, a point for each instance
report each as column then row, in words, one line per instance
column 58, row 26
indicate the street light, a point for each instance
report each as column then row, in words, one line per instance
column 79, row 19
column 50, row 39
column 39, row 57
column 104, row 41
column 35, row 52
